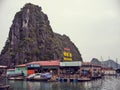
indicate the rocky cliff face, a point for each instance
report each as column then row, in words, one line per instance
column 31, row 39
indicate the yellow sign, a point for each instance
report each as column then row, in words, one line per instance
column 67, row 56
column 69, row 59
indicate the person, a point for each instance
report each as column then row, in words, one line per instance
column 0, row 72
column 51, row 71
column 22, row 73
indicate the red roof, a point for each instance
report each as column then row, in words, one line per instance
column 46, row 63
column 21, row 65
column 2, row 66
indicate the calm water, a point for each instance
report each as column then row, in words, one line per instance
column 107, row 84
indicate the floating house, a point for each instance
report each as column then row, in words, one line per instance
column 43, row 66
column 108, row 71
column 70, row 67
column 2, row 69
column 33, row 67
column 50, row 66
column 21, row 69
column 90, row 70
column 10, row 72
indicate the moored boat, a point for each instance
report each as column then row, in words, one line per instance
column 39, row 77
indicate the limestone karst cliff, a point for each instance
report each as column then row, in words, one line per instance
column 31, row 38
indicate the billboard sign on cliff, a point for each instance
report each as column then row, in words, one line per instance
column 67, row 55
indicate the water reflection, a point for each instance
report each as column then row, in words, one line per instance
column 26, row 85
column 54, row 86
column 104, row 84
column 17, row 85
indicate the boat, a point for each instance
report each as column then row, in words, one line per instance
column 39, row 77
column 4, row 87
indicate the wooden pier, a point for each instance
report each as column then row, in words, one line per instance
column 73, row 79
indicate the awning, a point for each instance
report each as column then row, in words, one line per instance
column 74, row 63
column 50, row 67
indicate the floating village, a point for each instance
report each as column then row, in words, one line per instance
column 55, row 71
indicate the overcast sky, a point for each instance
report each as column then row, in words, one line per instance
column 93, row 25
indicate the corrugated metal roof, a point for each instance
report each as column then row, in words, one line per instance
column 74, row 63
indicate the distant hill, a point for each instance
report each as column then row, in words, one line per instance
column 31, row 38
column 95, row 61
column 107, row 63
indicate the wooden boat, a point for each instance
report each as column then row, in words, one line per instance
column 4, row 87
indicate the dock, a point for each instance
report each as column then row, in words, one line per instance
column 73, row 79
column 84, row 79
